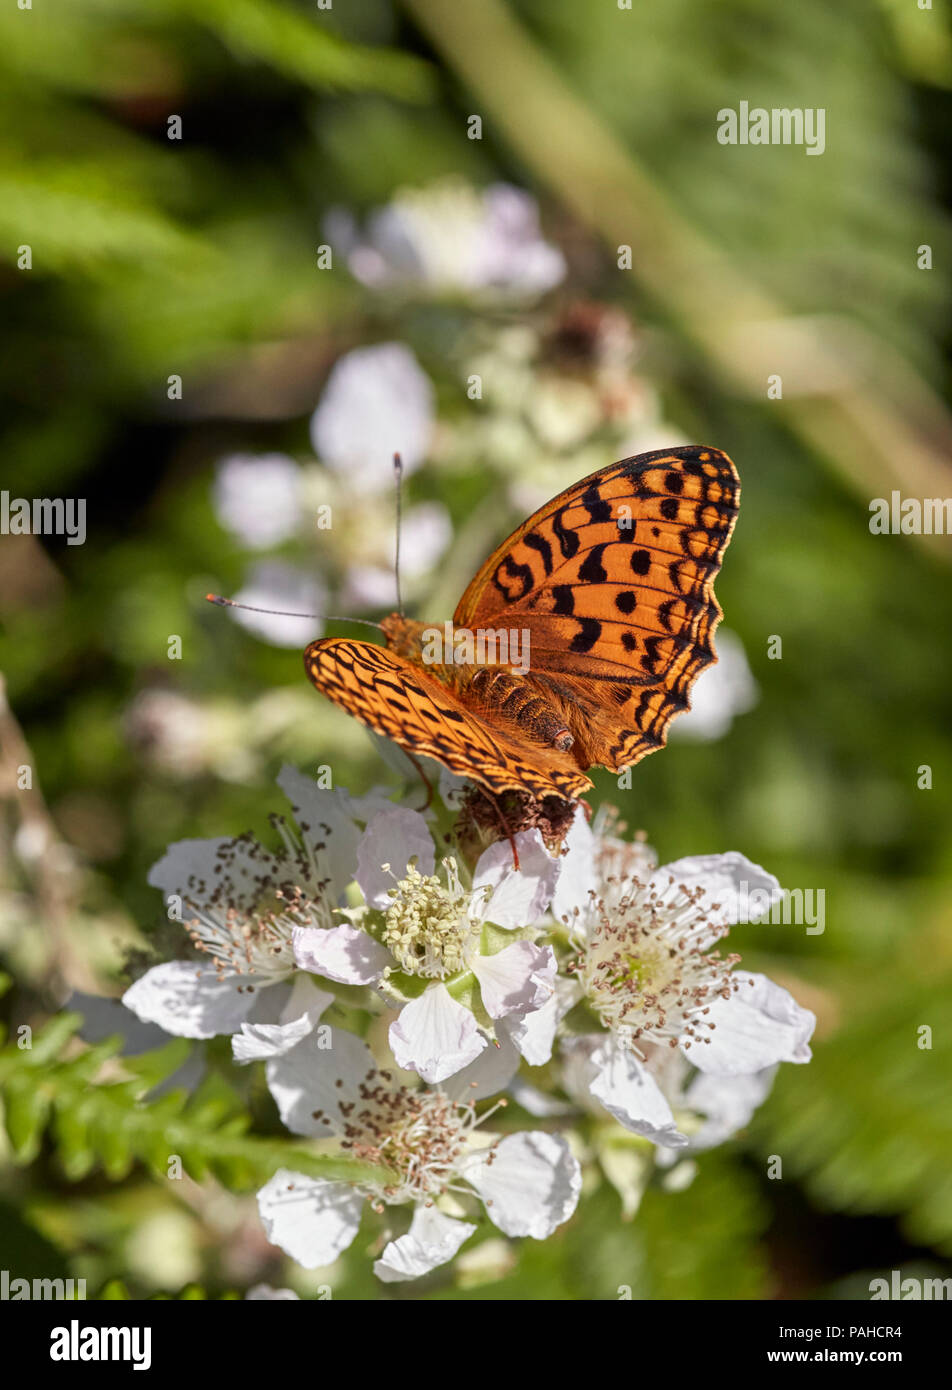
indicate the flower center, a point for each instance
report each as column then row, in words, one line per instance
column 419, row 1134
column 243, row 942
column 429, row 927
column 645, row 963
column 249, row 907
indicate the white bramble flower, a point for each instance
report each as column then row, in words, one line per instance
column 240, row 904
column 427, row 942
column 429, row 1139
column 681, row 1047
column 275, row 584
column 175, row 733
column 646, row 967
column 450, row 238
column 258, row 498
column 425, row 533
column 377, row 401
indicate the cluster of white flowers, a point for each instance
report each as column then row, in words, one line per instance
column 452, row 239
column 447, row 238
column 376, row 400
column 399, row 996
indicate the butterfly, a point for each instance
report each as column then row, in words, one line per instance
column 608, row 588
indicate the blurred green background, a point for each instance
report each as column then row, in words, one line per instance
column 199, row 258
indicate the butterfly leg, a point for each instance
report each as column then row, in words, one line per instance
column 505, row 825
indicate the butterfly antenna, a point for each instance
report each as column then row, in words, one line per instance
column 398, row 477
column 281, row 613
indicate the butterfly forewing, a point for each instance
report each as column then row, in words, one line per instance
column 613, row 581
column 396, row 698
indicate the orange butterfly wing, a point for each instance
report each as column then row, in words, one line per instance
column 396, row 698
column 613, row 580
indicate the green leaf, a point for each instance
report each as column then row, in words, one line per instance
column 112, row 1124
column 867, row 1126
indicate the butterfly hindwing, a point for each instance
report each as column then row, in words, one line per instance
column 396, row 698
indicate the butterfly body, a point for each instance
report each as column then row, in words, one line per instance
column 575, row 644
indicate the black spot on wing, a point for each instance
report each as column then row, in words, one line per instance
column 520, row 575
column 596, row 505
column 564, row 597
column 592, row 571
column 539, row 543
column 568, row 540
column 590, row 630
column 649, row 661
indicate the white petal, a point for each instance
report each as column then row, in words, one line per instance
column 519, row 898
column 722, row 691
column 576, row 869
column 309, row 1082
column 728, row 881
column 258, row 498
column 363, row 807
column 578, row 1069
column 530, row 1182
column 377, row 400
column 758, row 1026
column 515, row 255
column 491, row 1073
column 190, row 1000
column 310, row 1219
column 258, row 1041
column 534, row 1033
column 727, row 1102
column 281, row 589
column 345, row 953
column 517, row 979
column 435, row 1036
column 194, row 870
column 392, row 837
column 266, row 1291
column 630, row 1093
column 426, row 532
column 306, row 1000
column 537, row 1102
column 325, row 820
column 368, row 586
column 433, row 1238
